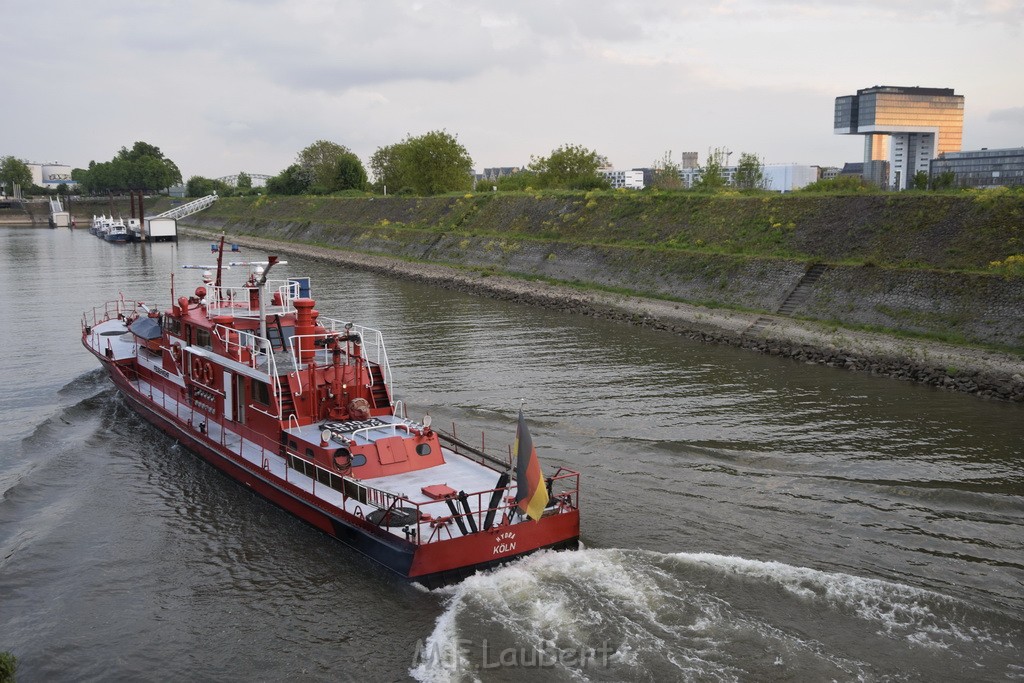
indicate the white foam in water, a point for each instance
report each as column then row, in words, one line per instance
column 648, row 615
column 565, row 605
column 899, row 610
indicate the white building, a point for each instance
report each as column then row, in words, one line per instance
column 630, row 180
column 788, row 177
column 777, row 177
column 50, row 174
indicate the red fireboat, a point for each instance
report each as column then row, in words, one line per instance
column 299, row 408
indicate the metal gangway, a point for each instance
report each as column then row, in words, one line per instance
column 194, row 206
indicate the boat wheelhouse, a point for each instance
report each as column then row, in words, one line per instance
column 116, row 231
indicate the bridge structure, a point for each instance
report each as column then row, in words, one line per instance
column 194, row 206
column 258, row 179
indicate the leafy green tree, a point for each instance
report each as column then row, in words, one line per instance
column 567, row 167
column 198, row 186
column 14, row 172
column 841, row 184
column 139, row 149
column 147, row 168
column 944, row 181
column 8, row 667
column 349, row 173
column 920, row 181
column 750, row 173
column 517, row 182
column 711, row 173
column 666, row 173
column 433, row 163
column 244, row 181
column 436, row 162
column 290, row 181
column 143, row 167
column 330, row 167
column 386, row 168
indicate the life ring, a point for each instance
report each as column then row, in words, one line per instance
column 343, row 461
column 208, row 372
column 176, row 352
column 197, row 367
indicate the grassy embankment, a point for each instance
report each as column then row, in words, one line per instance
column 648, row 238
column 955, row 233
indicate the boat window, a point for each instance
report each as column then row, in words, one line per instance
column 309, row 453
column 292, row 445
column 261, row 394
column 170, row 324
column 278, row 334
column 358, row 460
column 300, row 465
column 202, row 337
column 423, row 448
column 354, row 490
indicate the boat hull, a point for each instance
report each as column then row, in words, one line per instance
column 430, row 564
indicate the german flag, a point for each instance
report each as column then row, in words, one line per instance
column 531, row 493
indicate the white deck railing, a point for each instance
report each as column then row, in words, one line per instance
column 192, row 207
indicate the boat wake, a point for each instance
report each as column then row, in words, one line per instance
column 637, row 615
column 35, row 469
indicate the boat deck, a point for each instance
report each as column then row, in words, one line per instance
column 458, row 472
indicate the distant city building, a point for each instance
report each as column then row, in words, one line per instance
column 905, row 128
column 788, row 177
column 51, row 174
column 500, row 172
column 689, row 160
column 631, row 180
column 830, row 172
column 692, row 175
column 777, row 177
column 982, row 168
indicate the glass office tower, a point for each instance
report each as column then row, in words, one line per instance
column 904, row 127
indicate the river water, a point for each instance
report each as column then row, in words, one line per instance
column 745, row 517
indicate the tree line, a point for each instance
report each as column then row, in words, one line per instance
column 429, row 164
column 143, row 167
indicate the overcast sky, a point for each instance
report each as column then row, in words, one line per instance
column 223, row 86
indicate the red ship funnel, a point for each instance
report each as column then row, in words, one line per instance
column 303, row 327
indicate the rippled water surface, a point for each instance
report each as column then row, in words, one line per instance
column 745, row 517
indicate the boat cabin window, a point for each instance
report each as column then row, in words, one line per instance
column 423, row 449
column 279, row 334
column 202, row 337
column 260, row 392
column 170, row 324
column 328, row 478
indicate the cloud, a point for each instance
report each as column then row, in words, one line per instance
column 1013, row 116
column 225, row 85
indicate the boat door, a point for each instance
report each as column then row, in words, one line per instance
column 238, row 399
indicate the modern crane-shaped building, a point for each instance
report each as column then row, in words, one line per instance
column 903, row 128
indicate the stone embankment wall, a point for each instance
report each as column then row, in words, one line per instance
column 917, row 265
column 976, row 308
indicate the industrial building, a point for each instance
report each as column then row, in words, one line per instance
column 982, row 168
column 50, row 174
column 904, row 129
